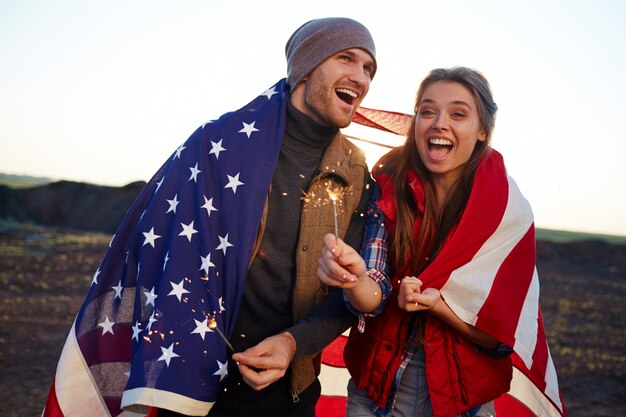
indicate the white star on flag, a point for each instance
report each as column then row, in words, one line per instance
column 151, row 237
column 269, row 93
column 222, row 370
column 206, row 263
column 151, row 321
column 188, row 230
column 208, row 206
column 221, row 303
column 233, row 182
column 158, row 186
column 224, row 244
column 95, row 277
column 248, row 129
column 173, row 203
column 216, row 148
column 150, row 297
column 178, row 290
column 167, row 258
column 206, row 123
column 194, row 173
column 107, row 326
column 202, row 328
column 178, row 151
column 168, row 354
column 118, row 290
column 136, row 331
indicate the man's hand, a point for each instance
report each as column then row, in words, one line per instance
column 267, row 362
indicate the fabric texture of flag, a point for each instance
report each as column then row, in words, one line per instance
column 144, row 336
column 474, row 261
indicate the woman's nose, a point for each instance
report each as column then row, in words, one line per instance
column 440, row 122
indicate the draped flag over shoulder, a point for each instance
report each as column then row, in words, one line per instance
column 473, row 262
column 144, row 336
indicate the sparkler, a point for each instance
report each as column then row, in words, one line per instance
column 213, row 326
column 333, row 198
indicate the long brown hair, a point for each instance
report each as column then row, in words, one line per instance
column 411, row 252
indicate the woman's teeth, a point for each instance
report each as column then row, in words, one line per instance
column 442, row 142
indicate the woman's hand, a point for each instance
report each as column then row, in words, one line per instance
column 340, row 265
column 412, row 298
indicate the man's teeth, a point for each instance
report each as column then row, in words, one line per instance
column 443, row 142
column 348, row 92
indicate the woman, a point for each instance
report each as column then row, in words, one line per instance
column 452, row 217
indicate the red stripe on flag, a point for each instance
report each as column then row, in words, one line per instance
column 93, row 352
column 332, row 355
column 508, row 291
column 387, row 121
column 331, row 406
column 540, row 357
column 53, row 409
column 507, row 405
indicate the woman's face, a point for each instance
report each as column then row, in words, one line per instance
column 447, row 127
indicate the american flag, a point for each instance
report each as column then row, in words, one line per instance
column 178, row 261
column 476, row 260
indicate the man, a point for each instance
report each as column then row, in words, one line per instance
column 330, row 65
column 245, row 198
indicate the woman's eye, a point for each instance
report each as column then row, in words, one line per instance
column 458, row 114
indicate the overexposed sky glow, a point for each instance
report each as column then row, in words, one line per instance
column 104, row 91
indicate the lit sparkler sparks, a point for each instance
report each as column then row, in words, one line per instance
column 213, row 326
column 334, row 195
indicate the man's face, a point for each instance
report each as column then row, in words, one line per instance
column 334, row 90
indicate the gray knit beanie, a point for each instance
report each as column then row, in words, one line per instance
column 319, row 39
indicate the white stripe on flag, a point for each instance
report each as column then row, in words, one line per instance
column 468, row 286
column 552, row 383
column 527, row 325
column 75, row 389
column 138, row 399
column 334, row 381
column 526, row 392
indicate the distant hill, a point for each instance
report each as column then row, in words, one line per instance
column 563, row 236
column 22, row 181
column 69, row 204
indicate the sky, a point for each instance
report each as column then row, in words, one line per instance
column 104, row 91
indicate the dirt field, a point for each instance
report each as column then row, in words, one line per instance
column 45, row 273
